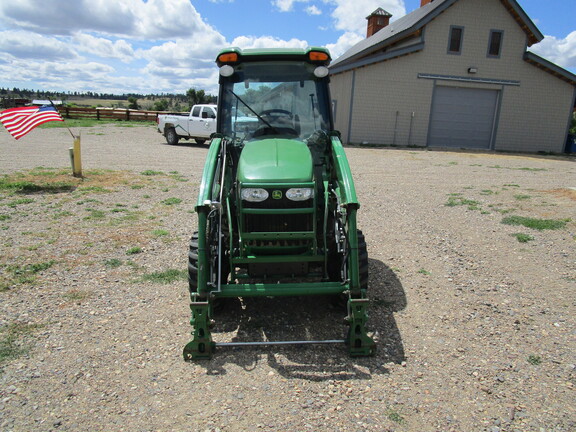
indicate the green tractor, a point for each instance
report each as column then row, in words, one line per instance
column 277, row 204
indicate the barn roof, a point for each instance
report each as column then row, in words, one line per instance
column 413, row 22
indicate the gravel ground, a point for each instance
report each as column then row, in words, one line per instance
column 475, row 329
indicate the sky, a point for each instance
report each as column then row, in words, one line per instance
column 169, row 46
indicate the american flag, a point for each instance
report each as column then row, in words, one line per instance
column 20, row 121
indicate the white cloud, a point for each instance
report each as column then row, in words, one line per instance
column 287, row 5
column 267, row 42
column 559, row 51
column 344, row 42
column 108, row 29
column 69, row 76
column 313, row 10
column 62, row 17
column 23, row 44
column 169, row 19
column 104, row 48
column 151, row 19
column 184, row 53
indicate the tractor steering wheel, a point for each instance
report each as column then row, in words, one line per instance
column 276, row 113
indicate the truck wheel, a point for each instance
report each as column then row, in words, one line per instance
column 171, row 136
column 199, row 141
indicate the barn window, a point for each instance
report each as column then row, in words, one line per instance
column 455, row 40
column 495, row 43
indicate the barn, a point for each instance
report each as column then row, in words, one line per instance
column 453, row 74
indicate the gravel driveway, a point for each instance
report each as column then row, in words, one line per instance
column 474, row 319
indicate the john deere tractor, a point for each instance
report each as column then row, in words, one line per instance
column 277, row 205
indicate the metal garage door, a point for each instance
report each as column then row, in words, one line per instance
column 463, row 117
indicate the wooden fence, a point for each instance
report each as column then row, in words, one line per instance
column 108, row 114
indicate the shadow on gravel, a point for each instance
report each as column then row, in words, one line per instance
column 311, row 318
column 189, row 144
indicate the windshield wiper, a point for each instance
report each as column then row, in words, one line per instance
column 254, row 112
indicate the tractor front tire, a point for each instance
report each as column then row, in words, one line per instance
column 218, row 303
column 193, row 263
column 362, row 260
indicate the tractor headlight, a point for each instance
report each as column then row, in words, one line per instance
column 254, row 194
column 299, row 194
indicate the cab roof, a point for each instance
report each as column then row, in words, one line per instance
column 275, row 54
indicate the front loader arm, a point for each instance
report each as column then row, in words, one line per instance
column 203, row 207
column 348, row 200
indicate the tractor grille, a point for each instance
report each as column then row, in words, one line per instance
column 278, row 223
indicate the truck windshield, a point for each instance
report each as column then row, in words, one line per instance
column 263, row 99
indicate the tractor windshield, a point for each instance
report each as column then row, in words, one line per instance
column 262, row 99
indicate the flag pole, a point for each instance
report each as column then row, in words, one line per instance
column 74, row 151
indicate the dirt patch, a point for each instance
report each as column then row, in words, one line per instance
column 564, row 193
column 474, row 319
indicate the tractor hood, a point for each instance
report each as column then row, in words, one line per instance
column 275, row 160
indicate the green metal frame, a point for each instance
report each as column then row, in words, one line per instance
column 339, row 174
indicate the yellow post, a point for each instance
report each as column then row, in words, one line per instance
column 77, row 168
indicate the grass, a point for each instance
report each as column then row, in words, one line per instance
column 424, row 272
column 95, row 215
column 22, row 274
column 72, row 123
column 134, row 250
column 29, row 187
column 454, row 201
column 487, row 192
column 113, row 263
column 76, row 296
column 171, row 201
column 394, row 415
column 534, row 360
column 20, row 201
column 166, row 277
column 97, row 189
column 151, row 173
column 534, row 223
column 160, row 233
column 523, row 238
column 521, row 197
column 13, row 340
column 519, row 169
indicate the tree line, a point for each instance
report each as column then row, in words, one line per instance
column 152, row 101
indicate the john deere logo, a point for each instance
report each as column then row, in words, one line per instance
column 276, row 194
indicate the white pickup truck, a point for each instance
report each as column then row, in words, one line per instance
column 198, row 125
